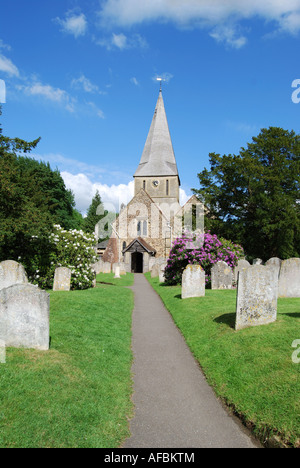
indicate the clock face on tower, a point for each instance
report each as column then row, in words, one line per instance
column 155, row 183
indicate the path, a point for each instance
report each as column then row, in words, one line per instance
column 174, row 405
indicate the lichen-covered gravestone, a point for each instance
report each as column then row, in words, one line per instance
column 62, row 279
column 221, row 276
column 289, row 278
column 193, row 282
column 24, row 317
column 162, row 273
column 256, row 297
column 12, row 273
column 106, row 267
column 98, row 267
column 241, row 265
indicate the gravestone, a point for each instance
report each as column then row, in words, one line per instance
column 257, row 261
column 289, row 278
column 117, row 271
column 193, row 282
column 256, row 297
column 155, row 270
column 106, row 267
column 275, row 263
column 98, row 267
column 62, row 279
column 241, row 265
column 24, row 317
column 12, row 273
column 162, row 273
column 221, row 276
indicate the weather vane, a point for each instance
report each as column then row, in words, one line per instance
column 160, row 79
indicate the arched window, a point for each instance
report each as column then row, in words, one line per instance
column 145, row 228
column 124, row 246
column 144, row 184
column 167, row 187
column 139, row 228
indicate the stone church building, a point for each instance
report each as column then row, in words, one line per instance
column 144, row 230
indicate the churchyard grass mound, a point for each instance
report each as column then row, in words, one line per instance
column 77, row 394
column 251, row 370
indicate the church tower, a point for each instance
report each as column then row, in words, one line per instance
column 157, row 172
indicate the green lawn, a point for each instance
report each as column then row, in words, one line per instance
column 252, row 369
column 78, row 394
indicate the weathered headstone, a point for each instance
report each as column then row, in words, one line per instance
column 11, row 273
column 106, row 267
column 98, row 267
column 155, row 270
column 289, row 278
column 117, row 272
column 193, row 282
column 256, row 297
column 257, row 261
column 62, row 279
column 241, row 265
column 275, row 263
column 162, row 273
column 24, row 317
column 221, row 276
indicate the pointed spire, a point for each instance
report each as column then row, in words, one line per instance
column 158, row 157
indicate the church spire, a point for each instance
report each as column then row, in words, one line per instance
column 158, row 157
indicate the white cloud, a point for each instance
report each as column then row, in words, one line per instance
column 56, row 95
column 7, row 66
column 134, row 81
column 84, row 189
column 203, row 13
column 111, row 195
column 84, row 83
column 75, row 24
column 122, row 42
column 229, row 35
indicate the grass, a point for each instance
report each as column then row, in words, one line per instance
column 77, row 394
column 251, row 370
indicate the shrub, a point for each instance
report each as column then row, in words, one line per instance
column 72, row 249
column 205, row 250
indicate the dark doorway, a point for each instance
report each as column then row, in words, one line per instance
column 137, row 262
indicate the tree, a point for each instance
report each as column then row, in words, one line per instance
column 92, row 217
column 32, row 199
column 253, row 198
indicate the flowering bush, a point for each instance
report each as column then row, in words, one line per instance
column 205, row 250
column 72, row 249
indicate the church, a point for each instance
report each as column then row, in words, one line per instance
column 145, row 229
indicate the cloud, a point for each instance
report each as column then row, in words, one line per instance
column 56, row 95
column 122, row 42
column 203, row 13
column 84, row 83
column 75, row 23
column 134, row 81
column 112, row 196
column 229, row 35
column 7, row 66
column 84, row 189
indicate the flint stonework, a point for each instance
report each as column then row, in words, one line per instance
column 289, row 278
column 256, row 297
column 24, row 317
column 193, row 282
column 62, row 279
column 221, row 276
column 12, row 273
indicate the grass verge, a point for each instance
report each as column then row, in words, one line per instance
column 77, row 394
column 251, row 370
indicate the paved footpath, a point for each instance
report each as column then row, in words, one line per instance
column 174, row 405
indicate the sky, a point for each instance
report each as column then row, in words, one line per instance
column 82, row 76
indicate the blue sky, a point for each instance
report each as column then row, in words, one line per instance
column 81, row 75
